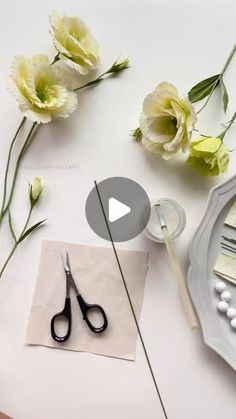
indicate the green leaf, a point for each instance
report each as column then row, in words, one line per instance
column 30, row 230
column 203, row 88
column 11, row 227
column 225, row 94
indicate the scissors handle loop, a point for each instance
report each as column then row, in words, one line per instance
column 64, row 314
column 86, row 308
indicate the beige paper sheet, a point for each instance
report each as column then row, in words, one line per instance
column 96, row 274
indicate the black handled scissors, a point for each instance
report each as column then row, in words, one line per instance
column 85, row 307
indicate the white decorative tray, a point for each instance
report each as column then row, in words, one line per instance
column 203, row 252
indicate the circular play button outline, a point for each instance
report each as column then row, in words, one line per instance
column 126, row 207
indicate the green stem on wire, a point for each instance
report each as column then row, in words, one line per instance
column 221, row 136
column 220, row 76
column 213, row 88
column 18, row 162
column 17, row 242
column 228, row 60
column 27, row 222
column 91, row 83
column 116, row 67
column 7, row 167
column 8, row 259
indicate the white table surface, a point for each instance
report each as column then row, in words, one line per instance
column 179, row 41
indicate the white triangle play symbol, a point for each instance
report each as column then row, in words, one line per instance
column 116, row 209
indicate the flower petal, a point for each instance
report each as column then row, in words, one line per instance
column 39, row 117
column 75, row 42
column 69, row 107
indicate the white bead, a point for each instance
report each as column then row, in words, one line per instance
column 226, row 296
column 231, row 313
column 222, row 306
column 220, row 286
column 233, row 323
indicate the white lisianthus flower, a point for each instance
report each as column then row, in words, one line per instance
column 74, row 42
column 40, row 89
column 166, row 121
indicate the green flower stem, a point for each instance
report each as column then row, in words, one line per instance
column 92, row 82
column 115, row 68
column 18, row 162
column 27, row 221
column 222, row 135
column 8, row 258
column 7, row 167
column 228, row 60
column 17, row 242
column 220, row 76
column 205, row 104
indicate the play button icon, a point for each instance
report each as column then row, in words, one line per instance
column 117, row 210
column 125, row 205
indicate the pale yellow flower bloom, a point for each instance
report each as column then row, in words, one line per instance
column 209, row 156
column 74, row 42
column 40, row 89
column 35, row 189
column 167, row 121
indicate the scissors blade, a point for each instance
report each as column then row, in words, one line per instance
column 64, row 263
column 69, row 277
column 68, row 261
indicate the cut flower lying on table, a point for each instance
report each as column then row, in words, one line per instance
column 42, row 88
column 74, row 42
column 167, row 123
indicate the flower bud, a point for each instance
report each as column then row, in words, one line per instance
column 209, row 156
column 35, row 190
column 119, row 65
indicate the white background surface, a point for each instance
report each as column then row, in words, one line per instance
column 179, row 41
